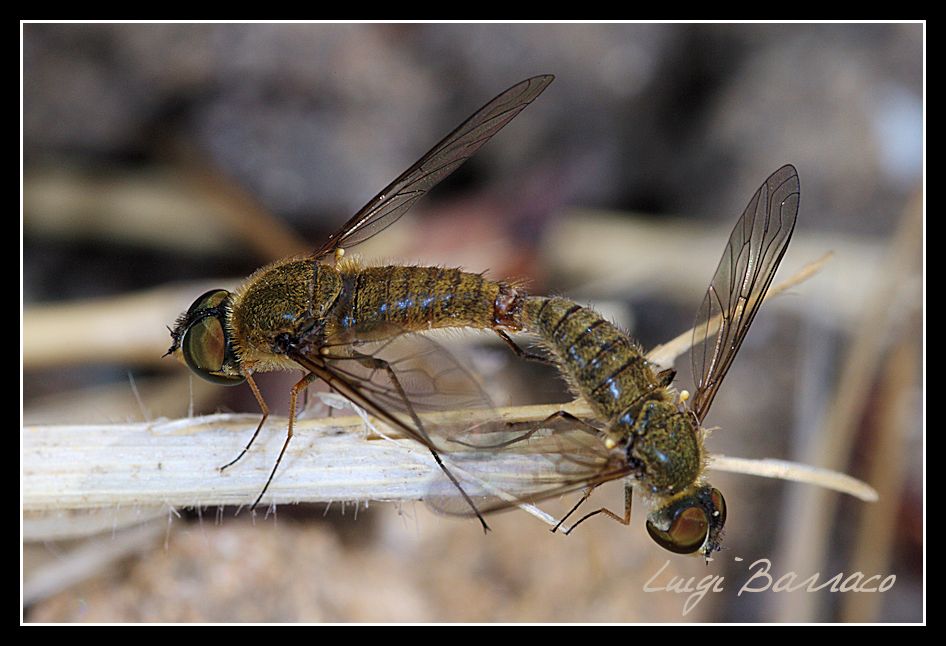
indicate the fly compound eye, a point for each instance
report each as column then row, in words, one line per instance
column 208, row 300
column 718, row 508
column 691, row 523
column 205, row 344
column 687, row 531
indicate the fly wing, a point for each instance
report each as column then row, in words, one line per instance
column 413, row 384
column 408, row 372
column 399, row 378
column 396, row 379
column 444, row 158
column 746, row 270
column 500, row 467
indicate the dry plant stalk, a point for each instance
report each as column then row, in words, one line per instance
column 174, row 463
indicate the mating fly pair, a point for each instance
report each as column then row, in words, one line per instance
column 358, row 328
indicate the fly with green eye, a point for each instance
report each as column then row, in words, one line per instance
column 642, row 430
column 339, row 321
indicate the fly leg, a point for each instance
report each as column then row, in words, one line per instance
column 569, row 422
column 305, row 396
column 419, row 433
column 625, row 520
column 522, row 354
column 264, row 408
column 561, row 417
column 302, row 384
column 566, row 418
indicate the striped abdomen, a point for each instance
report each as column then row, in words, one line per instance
column 600, row 361
column 415, row 299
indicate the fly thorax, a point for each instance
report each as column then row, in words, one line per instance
column 665, row 443
column 281, row 299
column 327, row 285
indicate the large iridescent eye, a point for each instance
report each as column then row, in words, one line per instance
column 688, row 529
column 719, row 508
column 208, row 300
column 687, row 524
column 205, row 345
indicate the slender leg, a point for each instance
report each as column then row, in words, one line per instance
column 625, row 520
column 572, row 421
column 456, row 483
column 528, row 429
column 302, row 384
column 573, row 509
column 392, row 375
column 264, row 408
column 417, row 432
column 305, row 396
column 522, row 353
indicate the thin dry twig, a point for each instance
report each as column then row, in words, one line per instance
column 795, row 472
column 175, row 463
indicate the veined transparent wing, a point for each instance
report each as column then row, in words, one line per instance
column 501, row 466
column 398, row 379
column 746, row 270
column 444, row 158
